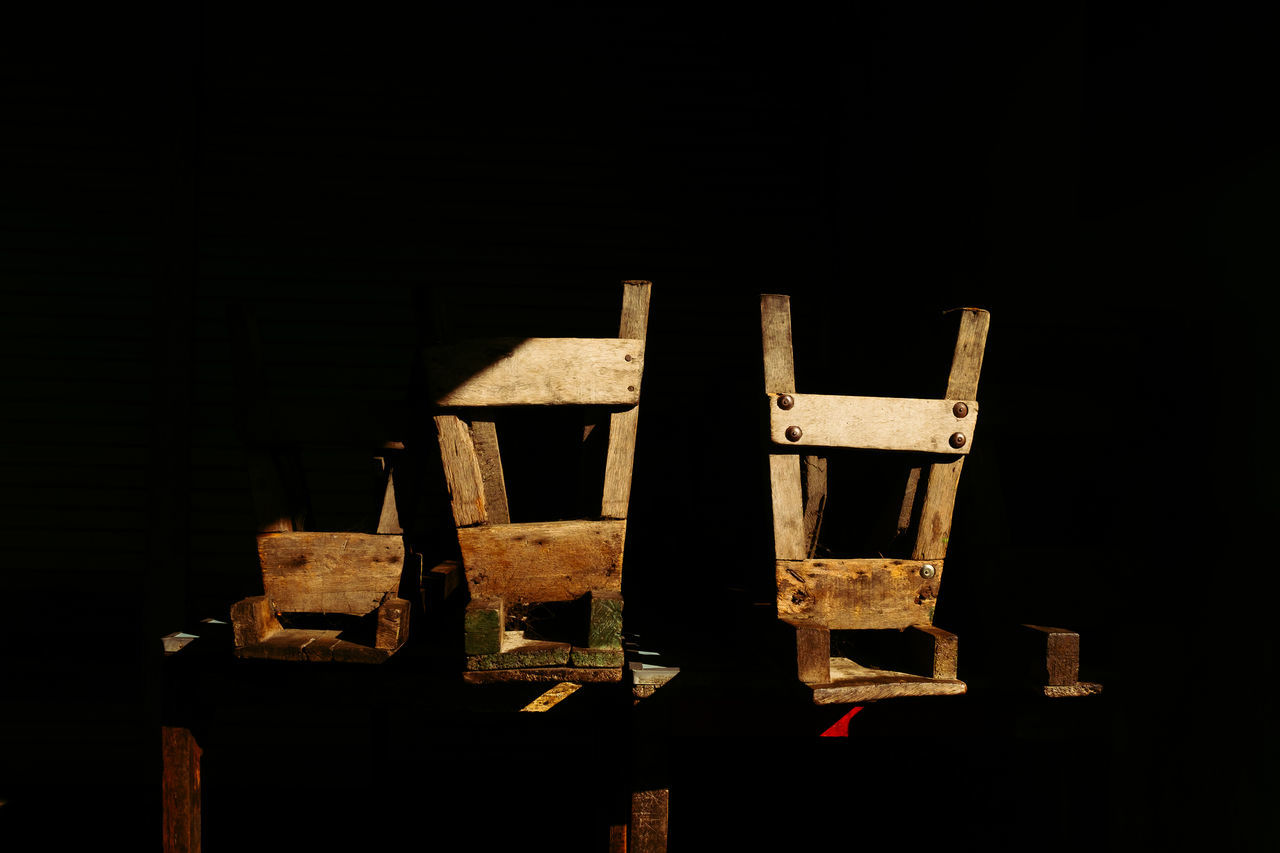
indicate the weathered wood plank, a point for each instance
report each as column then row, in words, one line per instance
column 180, row 789
column 461, row 471
column 789, row 540
column 813, row 651
column 484, row 437
column 484, row 625
column 536, row 372
column 623, row 426
column 858, row 593
column 604, row 619
column 329, row 572
column 944, row 477
column 1080, row 688
column 813, row 470
column 649, row 819
column 854, row 684
column 552, row 697
column 314, row 645
column 543, row 561
column 589, row 657
column 581, row 675
column 252, row 621
column 393, row 625
column 775, row 333
column 872, row 423
column 518, row 653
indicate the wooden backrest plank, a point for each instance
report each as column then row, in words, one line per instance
column 873, row 423
column 789, row 534
column 859, row 593
column 348, row 573
column 461, row 470
column 544, row 560
column 620, row 454
column 536, row 372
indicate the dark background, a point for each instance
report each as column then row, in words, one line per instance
column 361, row 177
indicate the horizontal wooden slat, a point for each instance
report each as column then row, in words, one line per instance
column 329, row 572
column 858, row 593
column 873, row 423
column 536, row 372
column 543, row 561
column 851, row 682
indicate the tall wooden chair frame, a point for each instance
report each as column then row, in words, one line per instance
column 315, row 573
column 507, row 564
column 816, row 596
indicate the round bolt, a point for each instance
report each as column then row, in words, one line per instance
column 627, row 357
column 960, row 410
column 927, row 571
column 786, row 401
column 957, row 440
column 794, row 433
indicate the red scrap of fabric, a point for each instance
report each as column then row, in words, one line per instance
column 841, row 726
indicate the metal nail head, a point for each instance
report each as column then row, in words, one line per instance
column 927, row 571
column 958, row 440
column 786, row 401
column 960, row 410
column 794, row 433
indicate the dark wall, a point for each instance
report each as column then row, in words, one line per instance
column 361, row 179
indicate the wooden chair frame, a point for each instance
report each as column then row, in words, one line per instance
column 816, row 596
column 313, row 572
column 507, row 563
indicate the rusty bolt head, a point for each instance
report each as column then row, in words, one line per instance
column 794, row 433
column 957, row 440
column 960, row 410
column 627, row 357
column 927, row 571
column 786, row 401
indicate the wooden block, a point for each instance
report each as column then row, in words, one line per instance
column 180, row 789
column 484, row 437
column 649, row 818
column 461, row 470
column 393, row 624
column 389, row 515
column 1061, row 655
column 938, row 649
column 872, row 423
column 536, row 372
column 1080, row 688
column 329, row 572
column 580, row 675
column 484, row 624
column 444, row 579
column 813, row 651
column 252, row 621
column 590, row 657
column 543, row 561
column 604, row 619
column 518, row 653
column 855, row 684
column 858, row 593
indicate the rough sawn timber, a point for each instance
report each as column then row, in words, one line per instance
column 543, row 560
column 323, row 572
column 852, row 683
column 872, row 423
column 858, row 593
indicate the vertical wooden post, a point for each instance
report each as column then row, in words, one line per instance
column 620, row 457
column 180, row 790
column 789, row 540
column 944, row 477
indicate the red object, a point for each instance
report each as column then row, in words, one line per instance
column 841, row 726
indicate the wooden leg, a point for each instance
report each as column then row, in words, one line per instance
column 393, row 624
column 252, row 621
column 813, row 651
column 1055, row 662
column 180, row 789
column 936, row 651
column 483, row 625
column 649, row 810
